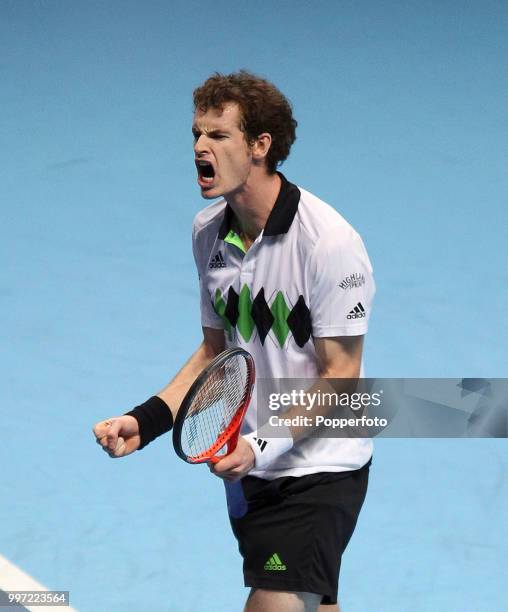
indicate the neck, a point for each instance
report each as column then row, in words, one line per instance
column 253, row 203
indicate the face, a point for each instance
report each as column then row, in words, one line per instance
column 222, row 155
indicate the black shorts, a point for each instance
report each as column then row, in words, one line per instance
column 297, row 528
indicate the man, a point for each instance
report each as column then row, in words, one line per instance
column 284, row 276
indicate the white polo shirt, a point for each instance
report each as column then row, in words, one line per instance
column 306, row 275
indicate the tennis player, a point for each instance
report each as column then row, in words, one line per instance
column 284, row 276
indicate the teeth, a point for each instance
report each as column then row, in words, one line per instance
column 206, row 170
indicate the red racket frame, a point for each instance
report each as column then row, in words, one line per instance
column 231, row 434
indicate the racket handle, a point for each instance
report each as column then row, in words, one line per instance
column 237, row 504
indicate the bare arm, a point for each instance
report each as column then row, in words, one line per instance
column 119, row 436
column 212, row 345
column 338, row 358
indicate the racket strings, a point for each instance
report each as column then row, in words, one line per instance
column 215, row 405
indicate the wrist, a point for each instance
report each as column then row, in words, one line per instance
column 154, row 419
column 267, row 450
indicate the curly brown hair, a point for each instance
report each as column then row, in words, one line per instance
column 262, row 106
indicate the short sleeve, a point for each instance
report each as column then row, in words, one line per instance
column 341, row 285
column 209, row 318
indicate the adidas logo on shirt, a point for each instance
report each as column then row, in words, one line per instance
column 358, row 312
column 274, row 563
column 217, row 261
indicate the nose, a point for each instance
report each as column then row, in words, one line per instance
column 200, row 145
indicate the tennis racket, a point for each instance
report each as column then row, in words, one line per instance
column 208, row 423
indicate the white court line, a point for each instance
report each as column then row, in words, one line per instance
column 12, row 578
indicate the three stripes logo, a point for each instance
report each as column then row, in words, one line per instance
column 358, row 312
column 217, row 261
column 274, row 563
column 261, row 443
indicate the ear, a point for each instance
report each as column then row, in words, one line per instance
column 261, row 146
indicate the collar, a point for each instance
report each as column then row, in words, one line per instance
column 281, row 216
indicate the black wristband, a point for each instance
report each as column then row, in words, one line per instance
column 154, row 419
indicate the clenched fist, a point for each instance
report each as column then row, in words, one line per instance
column 118, row 436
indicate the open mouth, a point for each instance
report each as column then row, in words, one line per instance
column 206, row 171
